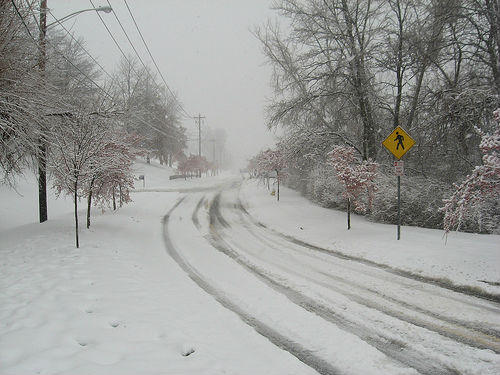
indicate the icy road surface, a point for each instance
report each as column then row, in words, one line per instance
column 335, row 314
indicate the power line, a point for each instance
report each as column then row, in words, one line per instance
column 153, row 59
column 80, row 71
column 113, row 38
column 146, row 68
column 37, row 44
column 22, row 20
column 113, row 79
column 135, row 51
column 60, row 53
column 81, row 46
column 129, row 41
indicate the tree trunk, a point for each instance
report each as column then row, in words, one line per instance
column 432, row 49
column 278, row 179
column 355, row 39
column 416, row 94
column 114, row 199
column 348, row 213
column 42, row 181
column 493, row 45
column 89, row 204
column 42, row 158
column 121, row 199
column 75, row 197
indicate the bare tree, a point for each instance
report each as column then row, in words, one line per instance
column 150, row 111
column 76, row 145
column 22, row 97
column 321, row 70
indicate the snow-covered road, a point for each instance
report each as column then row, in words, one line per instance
column 336, row 314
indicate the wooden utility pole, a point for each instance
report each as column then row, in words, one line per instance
column 42, row 147
column 213, row 155
column 199, row 117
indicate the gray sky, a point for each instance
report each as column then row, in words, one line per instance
column 205, row 51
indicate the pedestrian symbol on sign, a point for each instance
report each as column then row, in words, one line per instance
column 399, row 139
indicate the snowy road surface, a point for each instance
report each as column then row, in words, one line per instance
column 335, row 314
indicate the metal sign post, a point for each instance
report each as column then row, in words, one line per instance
column 398, row 143
column 399, row 208
column 399, row 171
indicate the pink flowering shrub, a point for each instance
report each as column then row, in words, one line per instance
column 193, row 165
column 480, row 185
column 271, row 161
column 356, row 177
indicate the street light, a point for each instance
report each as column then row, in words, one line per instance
column 105, row 9
column 42, row 147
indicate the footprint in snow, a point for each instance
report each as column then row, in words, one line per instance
column 187, row 351
column 82, row 342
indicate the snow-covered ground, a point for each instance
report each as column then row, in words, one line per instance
column 118, row 304
column 336, row 314
column 121, row 305
column 462, row 258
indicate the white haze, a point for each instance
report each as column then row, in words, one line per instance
column 205, row 51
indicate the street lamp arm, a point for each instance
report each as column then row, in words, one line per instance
column 105, row 9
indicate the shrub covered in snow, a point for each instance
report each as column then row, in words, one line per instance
column 421, row 197
column 420, row 200
column 324, row 188
column 478, row 194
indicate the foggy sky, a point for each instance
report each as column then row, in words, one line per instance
column 205, row 51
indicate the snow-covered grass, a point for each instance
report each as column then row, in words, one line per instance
column 20, row 205
column 117, row 305
column 461, row 259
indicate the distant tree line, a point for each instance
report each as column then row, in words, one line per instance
column 346, row 72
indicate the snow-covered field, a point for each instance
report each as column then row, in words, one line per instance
column 121, row 305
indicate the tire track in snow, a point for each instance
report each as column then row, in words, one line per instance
column 409, row 275
column 397, row 350
column 214, row 213
column 302, row 354
column 194, row 217
column 469, row 333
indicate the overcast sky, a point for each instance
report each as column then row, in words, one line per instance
column 205, row 51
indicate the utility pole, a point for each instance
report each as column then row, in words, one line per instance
column 213, row 155
column 199, row 117
column 42, row 147
column 42, row 60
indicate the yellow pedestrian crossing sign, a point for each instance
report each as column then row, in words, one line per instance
column 398, row 142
